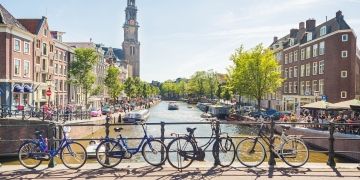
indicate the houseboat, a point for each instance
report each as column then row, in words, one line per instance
column 203, row 106
column 137, row 115
column 219, row 111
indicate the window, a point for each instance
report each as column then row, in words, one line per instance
column 322, row 30
column 308, row 69
column 285, row 87
column 61, row 55
column 321, row 67
column 309, row 36
column 56, row 69
column 343, row 74
column 45, row 32
column 308, row 51
column 302, row 54
column 295, row 71
column 295, row 86
column 343, row 94
column 38, row 44
column 56, row 54
column 314, row 86
column 44, row 64
column 315, row 50
column 17, row 46
column 292, row 42
column 26, row 48
column 286, row 58
column 344, row 54
column 44, row 50
column 56, row 84
column 302, row 85
column 322, row 48
column 295, row 56
column 37, row 59
column 286, row 73
column 51, row 48
column 321, row 87
column 51, row 62
column 290, row 57
column 60, row 69
column 344, row 37
column 26, row 68
column 302, row 70
column 290, row 87
column 17, row 67
column 307, row 88
column 61, row 85
column 290, row 72
column 315, row 68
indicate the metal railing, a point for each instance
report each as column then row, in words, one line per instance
column 331, row 137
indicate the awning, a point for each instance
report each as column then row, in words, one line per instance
column 28, row 89
column 18, row 89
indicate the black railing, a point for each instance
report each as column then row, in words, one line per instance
column 331, row 137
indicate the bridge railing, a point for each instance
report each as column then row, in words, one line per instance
column 330, row 138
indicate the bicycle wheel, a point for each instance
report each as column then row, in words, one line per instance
column 73, row 155
column 226, row 149
column 109, row 153
column 154, row 152
column 27, row 155
column 181, row 153
column 294, row 152
column 250, row 152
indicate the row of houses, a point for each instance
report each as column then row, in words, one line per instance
column 34, row 61
column 318, row 62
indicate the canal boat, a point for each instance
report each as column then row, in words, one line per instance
column 203, row 106
column 173, row 106
column 137, row 115
column 91, row 148
column 219, row 111
column 206, row 115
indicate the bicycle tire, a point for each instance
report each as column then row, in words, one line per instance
column 175, row 152
column 285, row 150
column 245, row 157
column 70, row 149
column 154, row 149
column 226, row 146
column 29, row 146
column 102, row 157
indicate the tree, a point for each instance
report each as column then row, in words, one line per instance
column 212, row 82
column 129, row 87
column 96, row 91
column 255, row 72
column 113, row 83
column 81, row 70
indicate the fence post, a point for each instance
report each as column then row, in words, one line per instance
column 272, row 161
column 81, row 113
column 52, row 163
column 43, row 112
column 107, row 131
column 331, row 153
column 217, row 136
column 162, row 139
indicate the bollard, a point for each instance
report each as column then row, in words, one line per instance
column 217, row 136
column 52, row 163
column 162, row 139
column 331, row 153
column 272, row 161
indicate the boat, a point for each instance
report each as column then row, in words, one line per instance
column 203, row 106
column 91, row 148
column 206, row 115
column 173, row 106
column 219, row 111
column 137, row 115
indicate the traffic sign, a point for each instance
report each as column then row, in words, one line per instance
column 48, row 92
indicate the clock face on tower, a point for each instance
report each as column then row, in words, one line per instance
column 132, row 22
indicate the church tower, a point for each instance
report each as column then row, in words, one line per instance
column 131, row 44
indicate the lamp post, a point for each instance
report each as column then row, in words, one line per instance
column 48, row 91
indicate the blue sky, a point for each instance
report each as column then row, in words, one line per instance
column 179, row 37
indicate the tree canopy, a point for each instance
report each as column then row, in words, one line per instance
column 112, row 81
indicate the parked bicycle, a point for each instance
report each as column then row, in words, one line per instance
column 184, row 149
column 32, row 112
column 7, row 112
column 32, row 152
column 110, row 151
column 292, row 149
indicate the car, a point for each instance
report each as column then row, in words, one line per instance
column 95, row 112
column 258, row 114
column 107, row 109
column 279, row 114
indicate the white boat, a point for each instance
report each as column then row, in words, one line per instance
column 91, row 148
column 219, row 111
column 173, row 106
column 137, row 115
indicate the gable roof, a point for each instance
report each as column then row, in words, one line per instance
column 32, row 25
column 8, row 19
column 119, row 53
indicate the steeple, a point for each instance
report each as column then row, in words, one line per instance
column 131, row 11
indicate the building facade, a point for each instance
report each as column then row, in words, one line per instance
column 318, row 63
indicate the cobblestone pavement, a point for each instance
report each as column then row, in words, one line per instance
column 196, row 171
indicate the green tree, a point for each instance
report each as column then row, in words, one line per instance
column 255, row 72
column 212, row 83
column 113, row 83
column 129, row 87
column 97, row 91
column 81, row 70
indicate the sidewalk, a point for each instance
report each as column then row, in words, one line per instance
column 195, row 171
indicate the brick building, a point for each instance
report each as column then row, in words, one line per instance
column 16, row 61
column 318, row 62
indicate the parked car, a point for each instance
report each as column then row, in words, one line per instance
column 258, row 114
column 107, row 109
column 280, row 114
column 95, row 112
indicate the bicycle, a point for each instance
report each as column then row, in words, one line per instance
column 5, row 111
column 32, row 152
column 292, row 149
column 32, row 113
column 110, row 152
column 184, row 149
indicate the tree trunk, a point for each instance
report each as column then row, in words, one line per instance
column 86, row 98
column 258, row 101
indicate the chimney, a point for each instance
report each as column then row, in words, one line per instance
column 310, row 24
column 293, row 32
column 275, row 38
column 339, row 15
column 301, row 25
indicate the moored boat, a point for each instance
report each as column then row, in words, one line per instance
column 173, row 106
column 91, row 148
column 137, row 115
column 219, row 111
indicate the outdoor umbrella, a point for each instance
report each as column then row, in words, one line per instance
column 318, row 105
column 346, row 104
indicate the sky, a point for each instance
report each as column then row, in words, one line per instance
column 180, row 37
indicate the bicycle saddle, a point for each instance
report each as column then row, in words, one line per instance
column 118, row 129
column 190, row 130
column 37, row 133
